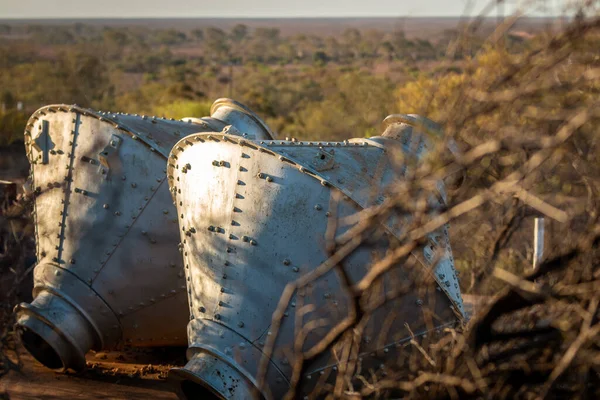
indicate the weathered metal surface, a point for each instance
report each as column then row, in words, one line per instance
column 109, row 269
column 253, row 217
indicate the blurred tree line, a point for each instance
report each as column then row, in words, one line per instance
column 305, row 85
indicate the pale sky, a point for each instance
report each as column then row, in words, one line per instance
column 249, row 8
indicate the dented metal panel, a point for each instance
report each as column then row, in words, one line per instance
column 109, row 268
column 253, row 217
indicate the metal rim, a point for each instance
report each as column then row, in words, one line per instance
column 226, row 102
column 416, row 121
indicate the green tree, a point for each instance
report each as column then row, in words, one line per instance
column 239, row 33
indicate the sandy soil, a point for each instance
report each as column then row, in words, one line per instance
column 110, row 375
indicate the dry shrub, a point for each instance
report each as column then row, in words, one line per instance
column 527, row 121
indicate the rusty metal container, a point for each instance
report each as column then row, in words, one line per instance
column 253, row 217
column 109, row 269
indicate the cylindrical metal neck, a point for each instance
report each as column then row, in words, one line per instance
column 241, row 117
column 55, row 332
column 207, row 376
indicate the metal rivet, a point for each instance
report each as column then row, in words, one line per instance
column 105, row 206
column 253, row 242
column 211, row 228
column 72, row 261
column 286, row 262
column 269, row 179
column 295, row 269
column 318, row 207
column 245, row 238
column 201, row 309
column 217, row 317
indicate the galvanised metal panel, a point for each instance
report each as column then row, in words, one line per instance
column 253, row 217
column 109, row 268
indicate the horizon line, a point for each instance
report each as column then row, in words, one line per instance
column 277, row 17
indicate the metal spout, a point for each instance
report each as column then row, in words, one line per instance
column 208, row 376
column 241, row 117
column 55, row 332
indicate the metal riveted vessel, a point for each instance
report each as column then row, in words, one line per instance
column 109, row 269
column 253, row 216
